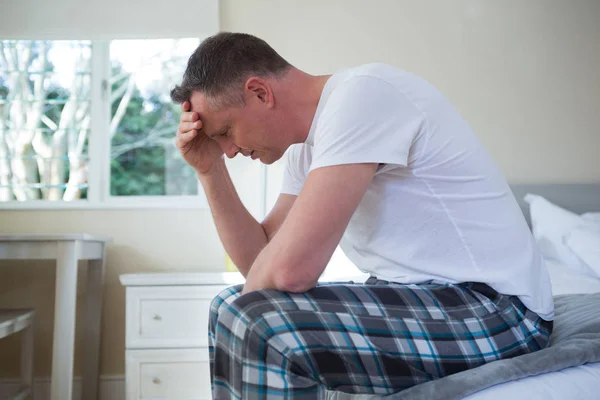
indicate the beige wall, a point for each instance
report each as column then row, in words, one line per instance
column 524, row 74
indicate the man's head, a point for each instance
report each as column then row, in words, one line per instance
column 231, row 81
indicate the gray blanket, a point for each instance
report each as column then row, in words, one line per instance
column 575, row 341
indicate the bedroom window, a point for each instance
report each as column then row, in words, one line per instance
column 90, row 124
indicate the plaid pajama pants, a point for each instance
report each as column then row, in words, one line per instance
column 378, row 337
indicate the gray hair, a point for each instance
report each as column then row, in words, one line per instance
column 219, row 67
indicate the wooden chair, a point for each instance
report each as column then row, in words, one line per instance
column 11, row 322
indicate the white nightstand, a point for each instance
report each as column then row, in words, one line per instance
column 167, row 333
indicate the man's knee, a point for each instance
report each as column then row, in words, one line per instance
column 254, row 304
column 225, row 297
column 245, row 311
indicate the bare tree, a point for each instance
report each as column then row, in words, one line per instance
column 35, row 164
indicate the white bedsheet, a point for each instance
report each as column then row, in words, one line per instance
column 581, row 383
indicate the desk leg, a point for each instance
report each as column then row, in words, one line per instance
column 27, row 345
column 93, row 321
column 63, row 347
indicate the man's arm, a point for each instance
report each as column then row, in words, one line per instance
column 242, row 236
column 298, row 254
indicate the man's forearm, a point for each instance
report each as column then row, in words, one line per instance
column 242, row 236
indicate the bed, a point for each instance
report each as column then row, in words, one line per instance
column 581, row 382
column 577, row 300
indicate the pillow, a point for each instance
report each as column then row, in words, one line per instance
column 565, row 281
column 584, row 241
column 551, row 225
column 591, row 217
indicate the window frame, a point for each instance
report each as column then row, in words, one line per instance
column 98, row 195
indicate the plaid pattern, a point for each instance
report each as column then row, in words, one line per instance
column 377, row 337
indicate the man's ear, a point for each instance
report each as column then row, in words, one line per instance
column 258, row 89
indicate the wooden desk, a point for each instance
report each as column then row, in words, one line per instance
column 67, row 250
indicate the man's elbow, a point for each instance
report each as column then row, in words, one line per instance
column 295, row 280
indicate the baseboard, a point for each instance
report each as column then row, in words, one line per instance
column 112, row 387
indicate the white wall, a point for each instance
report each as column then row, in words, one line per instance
column 524, row 74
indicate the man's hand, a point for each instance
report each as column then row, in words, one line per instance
column 197, row 149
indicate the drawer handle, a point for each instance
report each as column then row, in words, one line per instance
column 156, row 381
column 157, row 317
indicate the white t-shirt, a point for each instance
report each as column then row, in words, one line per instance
column 438, row 209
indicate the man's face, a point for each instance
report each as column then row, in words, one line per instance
column 250, row 130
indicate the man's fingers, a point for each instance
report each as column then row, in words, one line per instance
column 189, row 116
column 183, row 138
column 186, row 106
column 188, row 126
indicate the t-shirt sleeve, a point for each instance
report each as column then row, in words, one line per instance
column 296, row 163
column 366, row 120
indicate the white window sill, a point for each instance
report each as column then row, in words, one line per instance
column 114, row 203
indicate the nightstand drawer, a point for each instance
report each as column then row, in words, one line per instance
column 169, row 317
column 168, row 374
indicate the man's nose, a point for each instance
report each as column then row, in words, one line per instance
column 230, row 149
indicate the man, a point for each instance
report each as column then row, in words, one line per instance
column 378, row 159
